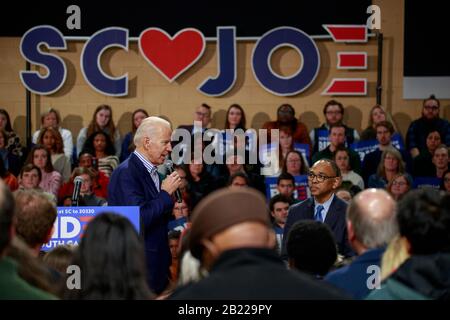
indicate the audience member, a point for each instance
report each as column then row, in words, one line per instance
column 128, row 143
column 424, row 221
column 323, row 179
column 232, row 237
column 102, row 120
column 430, row 121
column 334, row 115
column 111, row 259
column 52, row 118
column 369, row 231
column 311, row 248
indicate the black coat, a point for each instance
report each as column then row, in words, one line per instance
column 255, row 273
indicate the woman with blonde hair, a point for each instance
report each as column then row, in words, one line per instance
column 376, row 115
column 52, row 118
column 391, row 164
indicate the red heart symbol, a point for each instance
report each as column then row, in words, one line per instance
column 171, row 56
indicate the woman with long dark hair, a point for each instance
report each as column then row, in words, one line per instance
column 102, row 120
column 128, row 143
column 111, row 260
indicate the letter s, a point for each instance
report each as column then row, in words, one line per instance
column 55, row 66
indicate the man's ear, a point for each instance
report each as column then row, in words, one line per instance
column 271, row 239
column 350, row 231
column 337, row 183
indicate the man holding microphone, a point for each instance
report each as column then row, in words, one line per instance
column 136, row 183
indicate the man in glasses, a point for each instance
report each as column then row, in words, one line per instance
column 334, row 115
column 323, row 180
column 420, row 128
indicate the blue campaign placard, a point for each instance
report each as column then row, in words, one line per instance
column 301, row 191
column 72, row 221
column 426, row 182
column 367, row 146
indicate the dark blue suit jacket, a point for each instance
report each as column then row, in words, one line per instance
column 335, row 219
column 132, row 185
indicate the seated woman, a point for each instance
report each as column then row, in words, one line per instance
column 295, row 164
column 390, row 165
column 99, row 144
column 52, row 118
column 341, row 157
column 399, row 186
column 13, row 141
column 423, row 164
column 128, row 143
column 12, row 162
column 377, row 114
column 200, row 182
column 51, row 139
column 180, row 213
column 102, row 120
column 51, row 179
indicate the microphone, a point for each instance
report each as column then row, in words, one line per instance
column 169, row 166
column 76, row 190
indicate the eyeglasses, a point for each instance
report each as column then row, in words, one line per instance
column 319, row 177
column 431, row 108
column 202, row 114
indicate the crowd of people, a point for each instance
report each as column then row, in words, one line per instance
column 332, row 204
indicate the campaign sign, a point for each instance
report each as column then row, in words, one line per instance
column 367, row 146
column 301, row 191
column 426, row 182
column 72, row 221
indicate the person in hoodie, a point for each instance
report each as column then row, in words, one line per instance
column 424, row 223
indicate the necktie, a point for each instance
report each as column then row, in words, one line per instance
column 318, row 216
column 155, row 177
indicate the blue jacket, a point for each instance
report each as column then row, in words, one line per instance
column 353, row 278
column 132, row 185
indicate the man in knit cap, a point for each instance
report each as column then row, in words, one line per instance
column 232, row 237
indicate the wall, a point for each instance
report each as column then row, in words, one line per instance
column 76, row 100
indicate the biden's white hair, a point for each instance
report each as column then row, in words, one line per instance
column 149, row 127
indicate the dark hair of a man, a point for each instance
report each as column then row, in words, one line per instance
column 432, row 97
column 235, row 175
column 278, row 198
column 112, row 262
column 311, row 247
column 424, row 219
column 385, row 124
column 285, row 176
column 333, row 103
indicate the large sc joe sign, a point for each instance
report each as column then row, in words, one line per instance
column 171, row 56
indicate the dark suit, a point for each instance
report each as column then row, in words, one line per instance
column 335, row 219
column 132, row 185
